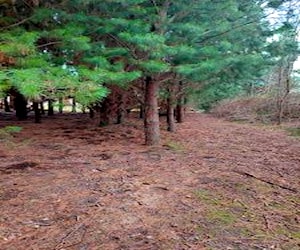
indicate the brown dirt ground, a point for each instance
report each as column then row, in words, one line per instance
column 68, row 184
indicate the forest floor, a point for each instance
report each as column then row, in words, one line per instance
column 68, row 184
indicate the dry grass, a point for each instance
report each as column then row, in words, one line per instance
column 257, row 109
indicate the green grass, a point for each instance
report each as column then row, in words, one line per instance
column 293, row 131
column 12, row 129
column 175, row 146
column 207, row 197
column 221, row 217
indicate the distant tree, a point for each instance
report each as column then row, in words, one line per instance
column 284, row 47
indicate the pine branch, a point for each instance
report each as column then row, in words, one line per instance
column 124, row 45
column 226, row 31
column 47, row 44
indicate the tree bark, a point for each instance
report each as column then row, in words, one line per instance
column 37, row 112
column 170, row 111
column 180, row 105
column 142, row 103
column 50, row 108
column 73, row 105
column 60, row 105
column 180, row 111
column 283, row 90
column 20, row 106
column 6, row 105
column 42, row 110
column 104, row 113
column 151, row 120
column 121, row 109
column 91, row 112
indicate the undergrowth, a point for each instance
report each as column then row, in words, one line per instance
column 8, row 132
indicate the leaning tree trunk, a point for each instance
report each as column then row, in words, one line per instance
column 170, row 111
column 151, row 120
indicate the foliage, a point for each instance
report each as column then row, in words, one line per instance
column 12, row 129
column 80, row 48
column 209, row 95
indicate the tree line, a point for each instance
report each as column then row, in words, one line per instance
column 112, row 55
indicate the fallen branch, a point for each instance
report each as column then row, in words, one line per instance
column 266, row 222
column 268, row 182
column 60, row 245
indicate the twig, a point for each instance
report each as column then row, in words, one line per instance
column 266, row 222
column 268, row 182
column 77, row 228
column 47, row 44
column 59, row 245
column 16, row 24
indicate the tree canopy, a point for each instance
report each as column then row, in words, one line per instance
column 52, row 49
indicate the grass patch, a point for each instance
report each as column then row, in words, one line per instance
column 175, row 146
column 221, row 217
column 12, row 129
column 7, row 135
column 295, row 235
column 293, row 131
column 7, row 132
column 207, row 197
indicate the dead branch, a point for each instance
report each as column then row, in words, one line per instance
column 69, row 234
column 266, row 222
column 15, row 24
column 268, row 182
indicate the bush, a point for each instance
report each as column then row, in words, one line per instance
column 257, row 109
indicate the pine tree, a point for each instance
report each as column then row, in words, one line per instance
column 83, row 48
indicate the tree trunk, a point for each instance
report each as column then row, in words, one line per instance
column 121, row 109
column 91, row 112
column 42, row 110
column 37, row 112
column 142, row 102
column 20, row 106
column 73, row 105
column 50, row 108
column 180, row 105
column 104, row 113
column 60, row 105
column 170, row 111
column 6, row 105
column 180, row 111
column 142, row 111
column 151, row 120
column 283, row 88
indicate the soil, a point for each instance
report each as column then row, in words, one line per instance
column 68, row 184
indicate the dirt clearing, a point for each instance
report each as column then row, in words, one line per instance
column 67, row 184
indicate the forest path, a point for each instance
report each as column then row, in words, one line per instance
column 67, row 184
